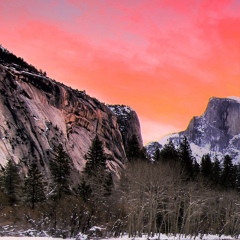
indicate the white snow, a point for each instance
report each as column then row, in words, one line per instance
column 33, row 238
column 32, row 74
column 125, row 237
column 234, row 98
column 94, row 228
column 164, row 140
column 198, row 152
column 120, row 110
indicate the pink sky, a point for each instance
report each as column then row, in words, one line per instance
column 163, row 58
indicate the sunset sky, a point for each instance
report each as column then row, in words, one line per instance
column 163, row 58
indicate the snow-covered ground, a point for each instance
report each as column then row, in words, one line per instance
column 161, row 237
column 33, row 238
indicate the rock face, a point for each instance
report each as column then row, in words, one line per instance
column 38, row 113
column 216, row 132
column 128, row 122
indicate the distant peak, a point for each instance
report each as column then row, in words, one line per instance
column 234, row 98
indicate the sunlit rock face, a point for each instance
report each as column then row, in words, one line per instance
column 38, row 113
column 216, row 132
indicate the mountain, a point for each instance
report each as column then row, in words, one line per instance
column 128, row 122
column 216, row 132
column 38, row 113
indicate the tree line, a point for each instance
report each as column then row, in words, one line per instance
column 171, row 193
column 220, row 174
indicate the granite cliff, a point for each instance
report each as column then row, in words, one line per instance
column 125, row 119
column 216, row 132
column 38, row 113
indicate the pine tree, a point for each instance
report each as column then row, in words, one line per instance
column 169, row 153
column 238, row 177
column 96, row 158
column 143, row 154
column 84, row 190
column 11, row 182
column 108, row 184
column 196, row 169
column 98, row 177
column 156, row 156
column 133, row 149
column 206, row 167
column 60, row 166
column 216, row 171
column 186, row 158
column 34, row 186
column 3, row 195
column 228, row 176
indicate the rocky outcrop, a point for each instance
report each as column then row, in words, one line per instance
column 216, row 132
column 128, row 122
column 217, row 126
column 38, row 113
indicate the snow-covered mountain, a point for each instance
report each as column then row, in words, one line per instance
column 216, row 132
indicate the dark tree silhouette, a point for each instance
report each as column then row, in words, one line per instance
column 11, row 182
column 96, row 159
column 228, row 175
column 169, row 153
column 186, row 158
column 206, row 167
column 60, row 166
column 98, row 176
column 34, row 186
column 216, row 171
column 133, row 149
column 196, row 169
column 156, row 155
column 84, row 190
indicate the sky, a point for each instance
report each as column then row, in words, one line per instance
column 163, row 58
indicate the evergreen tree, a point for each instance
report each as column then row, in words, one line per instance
column 228, row 175
column 96, row 159
column 143, row 154
column 156, row 156
column 216, row 171
column 206, row 167
column 238, row 177
column 99, row 179
column 133, row 149
column 34, row 186
column 84, row 190
column 169, row 153
column 196, row 169
column 11, row 182
column 60, row 166
column 3, row 195
column 186, row 158
column 108, row 184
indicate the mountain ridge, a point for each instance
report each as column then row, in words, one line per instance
column 215, row 132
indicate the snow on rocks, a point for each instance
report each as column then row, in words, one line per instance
column 234, row 98
column 125, row 237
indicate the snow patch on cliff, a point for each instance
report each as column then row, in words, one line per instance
column 234, row 98
column 120, row 109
